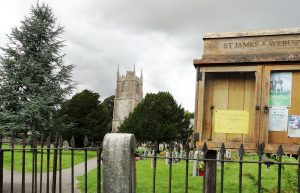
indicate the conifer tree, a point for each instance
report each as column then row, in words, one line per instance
column 34, row 78
column 158, row 118
column 84, row 114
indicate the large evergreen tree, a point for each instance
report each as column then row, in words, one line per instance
column 84, row 115
column 34, row 77
column 158, row 118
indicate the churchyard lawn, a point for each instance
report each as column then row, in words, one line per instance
column 231, row 176
column 66, row 159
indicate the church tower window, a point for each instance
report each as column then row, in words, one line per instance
column 123, row 87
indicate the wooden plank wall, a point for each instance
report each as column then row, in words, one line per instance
column 228, row 91
column 208, row 108
column 249, row 105
column 236, row 98
column 220, row 102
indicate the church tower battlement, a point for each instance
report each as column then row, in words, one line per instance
column 129, row 93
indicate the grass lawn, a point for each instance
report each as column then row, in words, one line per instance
column 66, row 159
column 231, row 176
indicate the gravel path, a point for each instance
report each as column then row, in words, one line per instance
column 66, row 179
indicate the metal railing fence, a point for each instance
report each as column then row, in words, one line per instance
column 50, row 149
column 262, row 160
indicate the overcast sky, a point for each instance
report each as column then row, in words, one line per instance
column 161, row 37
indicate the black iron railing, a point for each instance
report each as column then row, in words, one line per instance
column 262, row 160
column 49, row 149
column 51, row 179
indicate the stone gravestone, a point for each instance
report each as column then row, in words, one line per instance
column 196, row 163
column 161, row 147
column 167, row 160
column 228, row 155
column 183, row 154
column 119, row 169
column 191, row 154
column 145, row 153
column 66, row 145
column 177, row 156
column 152, row 159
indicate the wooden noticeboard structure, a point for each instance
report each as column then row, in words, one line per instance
column 239, row 72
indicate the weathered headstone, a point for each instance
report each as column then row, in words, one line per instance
column 196, row 163
column 181, row 154
column 177, row 156
column 152, row 159
column 119, row 174
column 218, row 157
column 228, row 155
column 161, row 147
column 66, row 145
column 167, row 160
column 191, row 154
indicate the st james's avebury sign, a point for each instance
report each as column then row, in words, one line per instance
column 246, row 75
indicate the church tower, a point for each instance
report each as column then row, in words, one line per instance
column 129, row 93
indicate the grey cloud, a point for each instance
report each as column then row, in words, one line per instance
column 162, row 37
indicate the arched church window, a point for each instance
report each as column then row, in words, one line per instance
column 137, row 88
column 123, row 87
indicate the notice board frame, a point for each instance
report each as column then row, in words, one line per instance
column 284, row 56
column 271, row 140
column 204, row 104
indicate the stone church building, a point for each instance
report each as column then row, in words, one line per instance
column 129, row 93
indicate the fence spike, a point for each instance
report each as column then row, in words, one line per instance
column 12, row 142
column 241, row 151
column 85, row 141
column 24, row 142
column 260, row 150
column 298, row 153
column 48, row 141
column 56, row 139
column 42, row 138
column 72, row 142
column 155, row 145
column 204, row 149
column 60, row 141
column 280, row 151
column 187, row 147
column 223, row 149
column 34, row 140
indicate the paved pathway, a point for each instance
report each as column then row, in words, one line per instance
column 66, row 179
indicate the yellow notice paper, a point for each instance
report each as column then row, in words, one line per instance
column 231, row 121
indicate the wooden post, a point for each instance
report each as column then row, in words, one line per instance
column 211, row 172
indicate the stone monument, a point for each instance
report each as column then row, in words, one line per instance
column 129, row 93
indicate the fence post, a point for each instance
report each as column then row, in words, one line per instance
column 211, row 171
column 119, row 163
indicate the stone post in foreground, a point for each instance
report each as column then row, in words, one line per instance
column 119, row 163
